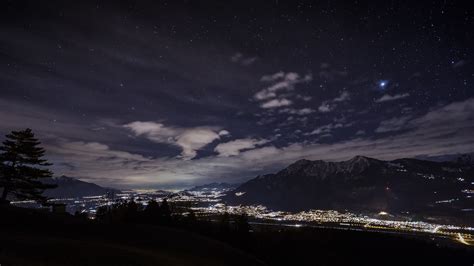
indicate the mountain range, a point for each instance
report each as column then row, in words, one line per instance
column 68, row 187
column 364, row 184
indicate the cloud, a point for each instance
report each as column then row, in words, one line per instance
column 325, row 129
column 276, row 103
column 280, row 82
column 324, row 107
column 459, row 63
column 156, row 132
column 224, row 133
column 457, row 115
column 303, row 111
column 304, row 98
column 331, row 74
column 188, row 139
column 388, row 97
column 49, row 124
column 328, row 106
column 273, row 77
column 249, row 61
column 234, row 147
column 343, row 97
column 264, row 94
column 239, row 58
column 192, row 140
column 97, row 162
column 425, row 136
column 393, row 124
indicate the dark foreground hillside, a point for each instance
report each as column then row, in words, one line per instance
column 316, row 246
column 32, row 238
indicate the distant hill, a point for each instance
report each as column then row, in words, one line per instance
column 69, row 187
column 363, row 184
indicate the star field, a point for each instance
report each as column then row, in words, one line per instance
column 172, row 94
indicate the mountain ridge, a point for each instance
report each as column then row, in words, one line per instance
column 362, row 184
column 69, row 187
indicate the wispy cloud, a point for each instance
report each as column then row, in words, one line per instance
column 330, row 74
column 328, row 106
column 280, row 82
column 325, row 107
column 239, row 58
column 276, row 103
column 343, row 97
column 325, row 129
column 394, row 124
column 302, row 111
column 388, row 97
column 234, row 147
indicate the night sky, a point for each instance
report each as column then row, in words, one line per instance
column 171, row 94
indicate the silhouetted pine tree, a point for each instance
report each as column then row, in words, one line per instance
column 103, row 214
column 131, row 210
column 192, row 216
column 23, row 167
column 224, row 224
column 165, row 211
column 242, row 224
column 152, row 212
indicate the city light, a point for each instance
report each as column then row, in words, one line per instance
column 208, row 203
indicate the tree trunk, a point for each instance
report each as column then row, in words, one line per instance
column 4, row 196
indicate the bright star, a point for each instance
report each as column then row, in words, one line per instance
column 383, row 84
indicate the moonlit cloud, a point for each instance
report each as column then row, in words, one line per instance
column 331, row 74
column 239, row 58
column 326, row 129
column 224, row 133
column 393, row 124
column 458, row 64
column 303, row 111
column 189, row 139
column 328, row 106
column 281, row 82
column 304, row 98
column 276, row 103
column 234, row 147
column 388, row 97
column 324, row 108
column 194, row 139
column 273, row 77
column 343, row 97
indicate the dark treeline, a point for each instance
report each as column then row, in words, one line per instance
column 233, row 229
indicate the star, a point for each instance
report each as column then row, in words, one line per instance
column 383, row 84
